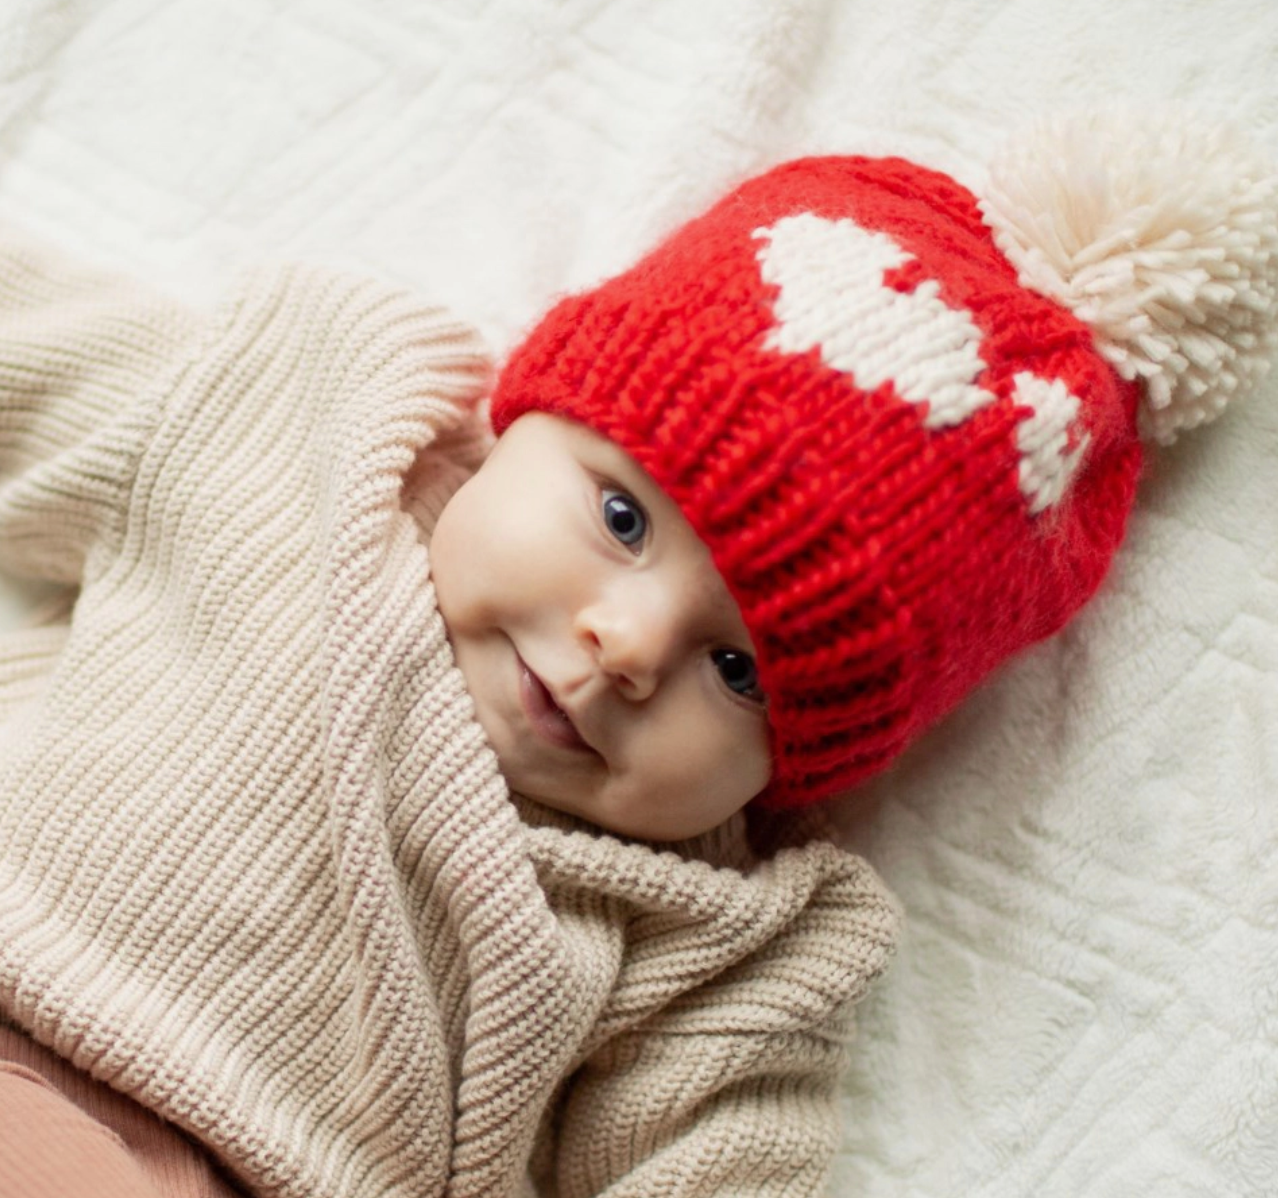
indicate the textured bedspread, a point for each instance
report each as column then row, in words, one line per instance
column 1086, row 1001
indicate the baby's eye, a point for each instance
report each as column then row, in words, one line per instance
column 738, row 671
column 625, row 519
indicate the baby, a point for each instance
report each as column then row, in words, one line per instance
column 400, row 813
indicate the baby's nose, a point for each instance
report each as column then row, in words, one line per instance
column 633, row 642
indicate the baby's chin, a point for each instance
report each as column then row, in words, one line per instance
column 557, row 808
column 618, row 819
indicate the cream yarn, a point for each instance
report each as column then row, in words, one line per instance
column 1160, row 234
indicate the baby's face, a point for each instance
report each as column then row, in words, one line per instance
column 608, row 662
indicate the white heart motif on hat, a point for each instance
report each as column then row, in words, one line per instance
column 832, row 297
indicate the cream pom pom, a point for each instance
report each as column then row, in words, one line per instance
column 1163, row 238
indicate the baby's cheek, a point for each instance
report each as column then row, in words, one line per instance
column 716, row 764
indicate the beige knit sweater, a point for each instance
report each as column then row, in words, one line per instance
column 257, row 866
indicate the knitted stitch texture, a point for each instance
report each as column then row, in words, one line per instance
column 257, row 866
column 906, row 466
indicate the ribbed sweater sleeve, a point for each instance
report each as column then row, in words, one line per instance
column 733, row 1088
column 756, row 1116
column 84, row 357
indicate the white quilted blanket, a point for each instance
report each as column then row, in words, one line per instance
column 1086, row 1001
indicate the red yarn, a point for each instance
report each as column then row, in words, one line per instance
column 882, row 564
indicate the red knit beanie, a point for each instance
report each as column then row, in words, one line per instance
column 906, row 423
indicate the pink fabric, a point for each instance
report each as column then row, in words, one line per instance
column 64, row 1135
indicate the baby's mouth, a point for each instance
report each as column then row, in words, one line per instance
column 547, row 718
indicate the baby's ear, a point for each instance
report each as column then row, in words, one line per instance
column 1161, row 234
